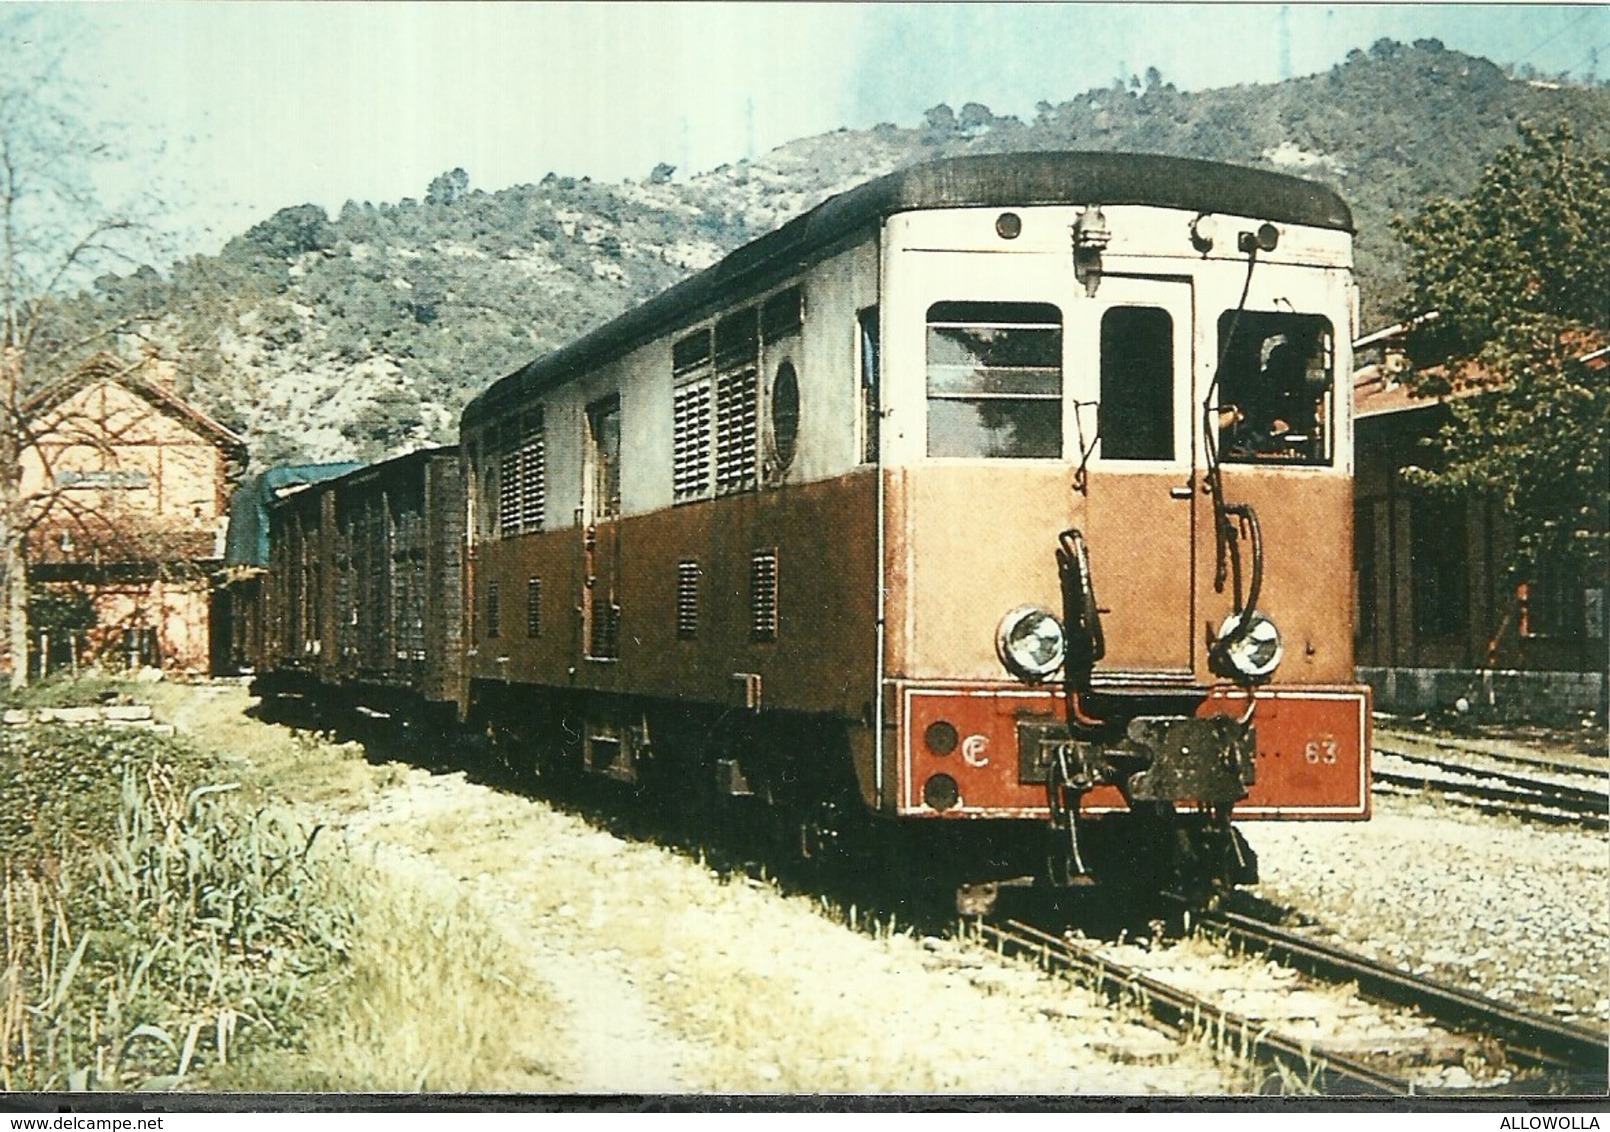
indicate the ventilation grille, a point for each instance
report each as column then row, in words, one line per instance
column 737, row 422
column 533, row 607
column 763, row 595
column 687, row 600
column 604, row 635
column 533, row 482
column 509, row 494
column 690, row 455
column 493, row 626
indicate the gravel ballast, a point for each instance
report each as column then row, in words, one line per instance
column 1510, row 910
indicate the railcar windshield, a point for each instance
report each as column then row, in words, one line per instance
column 1275, row 388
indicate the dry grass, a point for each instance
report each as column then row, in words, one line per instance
column 430, row 1000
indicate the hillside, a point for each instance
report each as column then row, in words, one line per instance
column 363, row 334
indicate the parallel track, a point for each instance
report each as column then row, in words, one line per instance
column 1568, row 1059
column 1560, row 1049
column 1521, row 795
column 1190, row 1015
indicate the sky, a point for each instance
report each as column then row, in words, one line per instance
column 257, row 106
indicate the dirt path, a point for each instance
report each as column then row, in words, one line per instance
column 662, row 977
column 427, row 826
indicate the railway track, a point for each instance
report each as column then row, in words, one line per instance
column 1190, row 1015
column 1562, row 1058
column 1576, row 1057
column 1492, row 790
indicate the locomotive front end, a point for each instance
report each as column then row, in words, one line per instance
column 1118, row 519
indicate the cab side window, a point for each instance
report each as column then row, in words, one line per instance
column 994, row 380
column 1275, row 388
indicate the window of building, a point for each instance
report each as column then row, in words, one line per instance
column 604, row 631
column 1274, row 388
column 1437, row 545
column 995, row 380
column 494, row 620
column 604, row 456
column 533, row 607
column 1364, row 561
column 1137, row 384
column 1552, row 604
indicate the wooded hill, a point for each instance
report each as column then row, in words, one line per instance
column 363, row 334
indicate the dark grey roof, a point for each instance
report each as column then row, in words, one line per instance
column 989, row 181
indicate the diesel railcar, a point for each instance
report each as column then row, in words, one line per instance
column 1007, row 498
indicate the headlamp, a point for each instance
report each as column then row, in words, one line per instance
column 1031, row 643
column 1255, row 650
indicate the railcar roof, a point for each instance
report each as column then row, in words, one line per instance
column 986, row 181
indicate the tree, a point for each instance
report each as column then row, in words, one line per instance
column 1516, row 271
column 56, row 235
column 448, row 188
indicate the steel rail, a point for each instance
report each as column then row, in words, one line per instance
column 1399, row 743
column 1528, row 1038
column 1502, row 800
column 1326, row 1072
column 1593, row 800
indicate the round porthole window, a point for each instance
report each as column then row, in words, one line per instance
column 785, row 413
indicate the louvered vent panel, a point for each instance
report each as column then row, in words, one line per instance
column 763, row 595
column 605, row 635
column 690, row 453
column 533, row 482
column 533, row 607
column 509, row 494
column 737, row 423
column 687, row 599
column 494, row 613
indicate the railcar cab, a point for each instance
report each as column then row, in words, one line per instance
column 1120, row 461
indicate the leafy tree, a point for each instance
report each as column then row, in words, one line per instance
column 1516, row 271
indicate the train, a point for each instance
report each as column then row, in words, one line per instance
column 1003, row 502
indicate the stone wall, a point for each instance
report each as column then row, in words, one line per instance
column 1503, row 694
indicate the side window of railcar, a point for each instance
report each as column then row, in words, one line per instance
column 1137, row 384
column 867, row 365
column 1275, row 387
column 604, row 456
column 995, row 380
